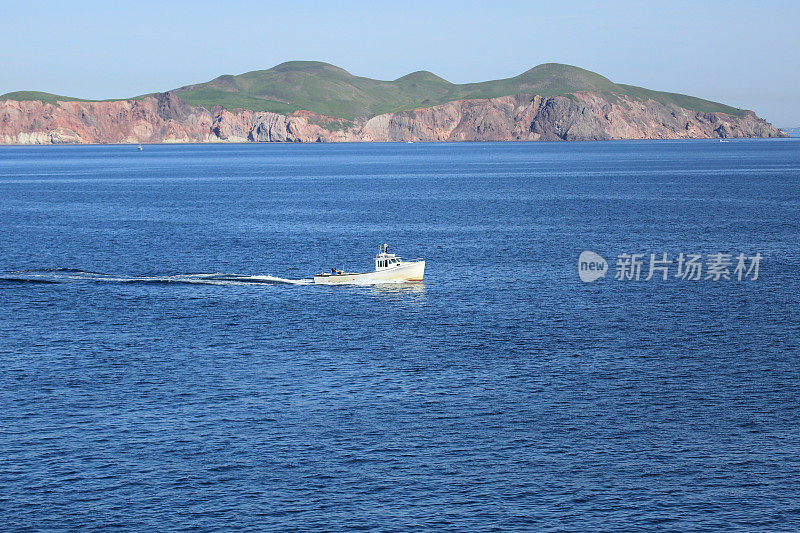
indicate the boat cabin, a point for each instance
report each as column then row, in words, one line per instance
column 386, row 260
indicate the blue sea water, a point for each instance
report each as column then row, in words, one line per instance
column 149, row 382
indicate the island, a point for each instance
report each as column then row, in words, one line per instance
column 310, row 101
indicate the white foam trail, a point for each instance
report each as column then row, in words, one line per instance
column 217, row 278
column 275, row 279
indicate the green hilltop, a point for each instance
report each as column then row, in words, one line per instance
column 329, row 90
column 24, row 96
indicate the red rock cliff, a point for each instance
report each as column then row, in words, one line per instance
column 165, row 118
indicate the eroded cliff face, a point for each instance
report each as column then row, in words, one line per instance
column 585, row 117
column 165, row 118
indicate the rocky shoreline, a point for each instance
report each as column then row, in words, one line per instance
column 165, row 118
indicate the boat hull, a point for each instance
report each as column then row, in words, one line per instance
column 406, row 272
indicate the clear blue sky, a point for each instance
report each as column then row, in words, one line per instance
column 742, row 53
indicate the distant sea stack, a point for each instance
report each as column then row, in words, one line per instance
column 307, row 101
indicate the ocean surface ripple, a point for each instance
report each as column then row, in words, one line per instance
column 166, row 364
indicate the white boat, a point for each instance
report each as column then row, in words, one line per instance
column 389, row 268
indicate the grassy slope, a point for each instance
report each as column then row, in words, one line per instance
column 680, row 100
column 332, row 91
column 24, row 96
column 49, row 98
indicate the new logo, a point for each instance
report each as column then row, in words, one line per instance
column 591, row 266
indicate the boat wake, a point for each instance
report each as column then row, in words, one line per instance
column 64, row 275
column 390, row 269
